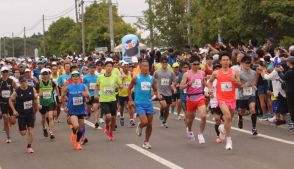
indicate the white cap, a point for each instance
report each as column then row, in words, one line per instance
column 4, row 68
column 202, row 50
column 108, row 60
column 2, row 63
column 86, row 59
column 135, row 60
column 29, row 60
column 215, row 57
column 28, row 70
column 75, row 72
column 291, row 48
column 45, row 70
column 124, row 63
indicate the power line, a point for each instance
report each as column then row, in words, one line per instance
column 52, row 18
column 61, row 13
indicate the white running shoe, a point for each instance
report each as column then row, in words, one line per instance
column 201, row 139
column 179, row 117
column 139, row 130
column 273, row 119
column 222, row 131
column 146, row 145
column 101, row 121
column 191, row 136
column 229, row 145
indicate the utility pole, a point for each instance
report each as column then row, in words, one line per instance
column 83, row 28
column 189, row 23
column 4, row 47
column 12, row 40
column 24, row 42
column 44, row 46
column 111, row 26
column 150, row 23
column 0, row 46
column 76, row 7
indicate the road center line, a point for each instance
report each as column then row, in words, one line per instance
column 88, row 123
column 248, row 132
column 154, row 157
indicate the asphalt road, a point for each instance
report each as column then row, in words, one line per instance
column 272, row 149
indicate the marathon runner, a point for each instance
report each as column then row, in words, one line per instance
column 166, row 81
column 176, row 102
column 107, row 84
column 7, row 86
column 143, row 83
column 194, row 82
column 76, row 93
column 24, row 104
column 227, row 80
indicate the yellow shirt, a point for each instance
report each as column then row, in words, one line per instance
column 159, row 65
column 126, row 80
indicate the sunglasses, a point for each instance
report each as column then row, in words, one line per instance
column 164, row 62
column 45, row 73
column 176, row 67
column 186, row 67
column 247, row 62
column 5, row 71
column 75, row 75
column 196, row 64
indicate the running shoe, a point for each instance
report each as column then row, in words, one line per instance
column 273, row 119
column 280, row 122
column 101, row 121
column 291, row 126
column 84, row 141
column 30, row 150
column 73, row 138
column 8, row 140
column 254, row 132
column 191, row 136
column 164, row 125
column 264, row 117
column 45, row 133
column 179, row 117
column 52, row 136
column 240, row 123
column 146, row 145
column 132, row 123
column 96, row 125
column 122, row 121
column 229, row 144
column 222, row 131
column 219, row 140
column 139, row 130
column 77, row 146
column 108, row 133
column 201, row 139
column 111, row 137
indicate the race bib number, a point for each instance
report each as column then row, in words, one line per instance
column 28, row 104
column 92, row 86
column 247, row 91
column 197, row 83
column 5, row 93
column 126, row 84
column 108, row 91
column 226, row 86
column 77, row 101
column 46, row 95
column 146, row 86
column 164, row 82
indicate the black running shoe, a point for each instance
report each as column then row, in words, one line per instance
column 254, row 132
column 45, row 133
column 96, row 125
column 84, row 141
column 52, row 136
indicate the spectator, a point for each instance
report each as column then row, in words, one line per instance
column 172, row 58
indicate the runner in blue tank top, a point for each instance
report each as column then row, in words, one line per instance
column 76, row 94
column 143, row 83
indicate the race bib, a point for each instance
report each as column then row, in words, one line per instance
column 247, row 91
column 77, row 101
column 5, row 93
column 164, row 82
column 108, row 91
column 226, row 86
column 47, row 95
column 92, row 86
column 146, row 86
column 197, row 83
column 126, row 84
column 28, row 104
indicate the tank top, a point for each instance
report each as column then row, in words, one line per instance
column 143, row 89
column 76, row 100
column 195, row 92
column 225, row 88
column 207, row 70
column 6, row 90
column 25, row 101
column 48, row 96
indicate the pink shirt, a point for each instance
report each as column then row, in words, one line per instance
column 195, row 91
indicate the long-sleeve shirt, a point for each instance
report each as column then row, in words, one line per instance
column 276, row 83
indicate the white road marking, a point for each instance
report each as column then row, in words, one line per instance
column 154, row 157
column 89, row 124
column 248, row 132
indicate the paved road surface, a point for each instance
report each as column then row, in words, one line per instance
column 274, row 149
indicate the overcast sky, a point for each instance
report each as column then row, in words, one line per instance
column 15, row 14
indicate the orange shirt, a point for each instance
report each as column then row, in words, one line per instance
column 225, row 88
